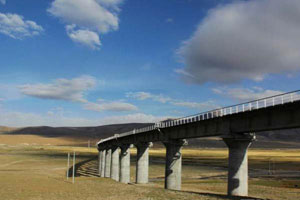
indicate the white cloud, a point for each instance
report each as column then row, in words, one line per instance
column 16, row 27
column 20, row 119
column 90, row 16
column 84, row 37
column 164, row 99
column 246, row 94
column 146, row 95
column 3, row 2
column 62, row 89
column 139, row 95
column 147, row 67
column 134, row 118
column 110, row 106
column 209, row 105
column 85, row 13
column 169, row 20
column 110, row 4
column 244, row 40
column 74, row 90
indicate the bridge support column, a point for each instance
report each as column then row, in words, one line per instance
column 125, row 164
column 107, row 163
column 142, row 162
column 103, row 155
column 173, row 164
column 115, row 167
column 238, row 164
column 99, row 162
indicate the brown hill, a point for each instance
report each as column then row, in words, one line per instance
column 269, row 139
column 97, row 132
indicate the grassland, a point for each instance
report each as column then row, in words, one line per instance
column 37, row 171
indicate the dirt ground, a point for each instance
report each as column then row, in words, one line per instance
column 40, row 173
column 34, row 171
column 33, row 140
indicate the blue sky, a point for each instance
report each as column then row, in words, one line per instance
column 95, row 62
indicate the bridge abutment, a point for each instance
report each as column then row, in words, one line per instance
column 107, row 163
column 125, row 164
column 103, row 155
column 115, row 163
column 173, row 164
column 238, row 164
column 142, row 162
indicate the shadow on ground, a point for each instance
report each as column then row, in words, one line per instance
column 222, row 196
column 86, row 168
column 89, row 168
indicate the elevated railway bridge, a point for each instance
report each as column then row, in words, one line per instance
column 236, row 125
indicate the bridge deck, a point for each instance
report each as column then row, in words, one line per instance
column 271, row 113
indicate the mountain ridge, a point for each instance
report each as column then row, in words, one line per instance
column 269, row 139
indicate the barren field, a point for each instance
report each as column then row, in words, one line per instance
column 29, row 140
column 35, row 171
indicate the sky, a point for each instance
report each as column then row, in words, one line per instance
column 98, row 62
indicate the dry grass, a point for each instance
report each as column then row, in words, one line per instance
column 34, row 140
column 37, row 171
column 4, row 129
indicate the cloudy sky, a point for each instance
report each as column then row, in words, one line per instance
column 95, row 62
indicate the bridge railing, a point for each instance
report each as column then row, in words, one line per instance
column 219, row 112
column 238, row 108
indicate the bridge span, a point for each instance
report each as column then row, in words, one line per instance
column 236, row 125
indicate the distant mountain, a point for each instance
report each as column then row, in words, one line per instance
column 269, row 139
column 78, row 132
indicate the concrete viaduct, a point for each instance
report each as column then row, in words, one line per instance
column 236, row 125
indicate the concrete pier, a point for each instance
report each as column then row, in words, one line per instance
column 238, row 164
column 99, row 162
column 125, row 164
column 115, row 167
column 107, row 163
column 102, row 173
column 142, row 162
column 173, row 164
